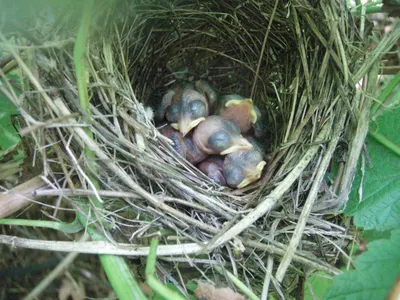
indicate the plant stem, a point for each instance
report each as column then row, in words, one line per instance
column 384, row 95
column 240, row 285
column 73, row 227
column 379, row 137
column 370, row 8
column 151, row 278
column 118, row 273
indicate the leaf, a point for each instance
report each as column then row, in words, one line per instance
column 376, row 271
column 9, row 136
column 380, row 206
column 372, row 235
column 317, row 285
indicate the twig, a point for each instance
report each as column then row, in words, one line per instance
column 270, row 264
column 312, row 196
column 240, row 285
column 263, row 48
column 358, row 139
column 56, row 272
column 98, row 247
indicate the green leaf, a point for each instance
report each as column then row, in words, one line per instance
column 317, row 285
column 375, row 273
column 380, row 206
column 372, row 235
column 8, row 134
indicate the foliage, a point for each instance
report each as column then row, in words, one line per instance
column 380, row 187
column 376, row 271
column 375, row 205
column 9, row 136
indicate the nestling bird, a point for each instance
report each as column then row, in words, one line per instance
column 186, row 105
column 256, row 143
column 184, row 145
column 218, row 136
column 206, row 89
column 212, row 167
column 243, row 167
column 176, row 137
column 242, row 112
column 193, row 154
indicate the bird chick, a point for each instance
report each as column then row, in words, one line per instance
column 212, row 167
column 186, row 105
column 176, row 137
column 239, row 110
column 184, row 108
column 193, row 154
column 206, row 89
column 218, row 136
column 243, row 167
column 184, row 145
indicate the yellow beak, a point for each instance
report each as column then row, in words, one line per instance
column 240, row 144
column 186, row 125
column 254, row 176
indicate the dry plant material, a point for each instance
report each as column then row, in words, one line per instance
column 71, row 290
column 19, row 197
column 299, row 61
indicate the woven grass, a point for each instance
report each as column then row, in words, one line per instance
column 300, row 62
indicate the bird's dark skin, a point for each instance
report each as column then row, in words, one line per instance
column 193, row 154
column 243, row 167
column 176, row 137
column 183, row 145
column 255, row 142
column 212, row 167
column 218, row 136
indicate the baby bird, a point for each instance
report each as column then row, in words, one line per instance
column 206, row 89
column 218, row 136
column 184, row 145
column 176, row 137
column 186, row 105
column 188, row 108
column 193, row 154
column 243, row 167
column 212, row 167
column 242, row 112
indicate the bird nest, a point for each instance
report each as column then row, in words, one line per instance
column 298, row 60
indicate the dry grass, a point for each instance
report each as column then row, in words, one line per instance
column 299, row 63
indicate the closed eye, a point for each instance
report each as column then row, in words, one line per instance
column 197, row 108
column 220, row 140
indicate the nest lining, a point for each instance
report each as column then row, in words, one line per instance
column 297, row 69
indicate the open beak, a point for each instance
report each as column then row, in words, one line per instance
column 254, row 176
column 186, row 125
column 175, row 126
column 239, row 144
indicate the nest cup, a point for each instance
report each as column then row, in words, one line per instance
column 294, row 59
column 286, row 58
